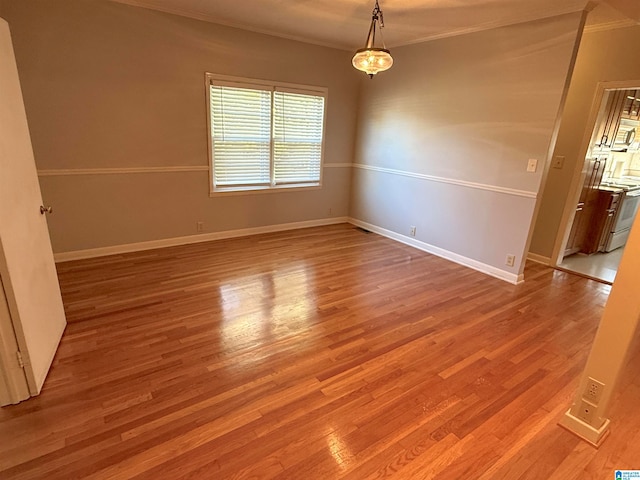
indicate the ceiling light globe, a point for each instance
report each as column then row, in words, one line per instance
column 372, row 60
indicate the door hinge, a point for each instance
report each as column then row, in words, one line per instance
column 20, row 359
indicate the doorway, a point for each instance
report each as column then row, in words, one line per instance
column 607, row 199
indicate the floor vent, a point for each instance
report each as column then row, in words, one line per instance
column 364, row 230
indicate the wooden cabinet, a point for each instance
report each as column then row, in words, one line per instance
column 608, row 126
column 581, row 237
column 631, row 105
column 575, row 236
column 609, row 203
column 621, row 104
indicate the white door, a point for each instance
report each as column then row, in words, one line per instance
column 27, row 268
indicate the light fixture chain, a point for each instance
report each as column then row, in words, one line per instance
column 377, row 14
column 381, row 35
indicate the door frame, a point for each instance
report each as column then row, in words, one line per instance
column 13, row 381
column 568, row 213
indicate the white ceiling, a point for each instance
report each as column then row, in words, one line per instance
column 345, row 23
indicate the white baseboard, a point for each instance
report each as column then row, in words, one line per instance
column 207, row 237
column 203, row 237
column 592, row 435
column 440, row 252
column 534, row 257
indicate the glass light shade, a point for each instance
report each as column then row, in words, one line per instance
column 372, row 60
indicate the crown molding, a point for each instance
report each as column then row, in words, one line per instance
column 517, row 20
column 599, row 27
column 532, row 15
column 205, row 17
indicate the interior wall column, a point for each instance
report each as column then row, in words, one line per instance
column 610, row 350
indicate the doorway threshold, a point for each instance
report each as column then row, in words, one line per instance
column 601, row 267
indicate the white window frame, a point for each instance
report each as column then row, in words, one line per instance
column 242, row 82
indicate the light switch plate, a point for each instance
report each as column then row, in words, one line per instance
column 531, row 166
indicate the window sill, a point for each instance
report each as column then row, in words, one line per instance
column 220, row 192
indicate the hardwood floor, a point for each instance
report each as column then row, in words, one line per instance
column 322, row 353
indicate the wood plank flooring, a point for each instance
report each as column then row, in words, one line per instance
column 321, row 353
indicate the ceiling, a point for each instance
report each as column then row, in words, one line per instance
column 345, row 23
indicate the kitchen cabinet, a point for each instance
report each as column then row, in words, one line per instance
column 581, row 237
column 607, row 128
column 606, row 208
column 631, row 105
column 575, row 236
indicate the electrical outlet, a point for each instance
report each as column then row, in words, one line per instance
column 510, row 261
column 586, row 412
column 412, row 231
column 593, row 391
column 558, row 161
column 200, row 227
column 532, row 165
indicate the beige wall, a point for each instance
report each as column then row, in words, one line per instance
column 108, row 85
column 446, row 135
column 609, row 55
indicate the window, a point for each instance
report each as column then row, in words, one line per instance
column 264, row 136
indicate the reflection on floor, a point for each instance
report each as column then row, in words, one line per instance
column 602, row 266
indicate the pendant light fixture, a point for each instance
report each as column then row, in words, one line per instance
column 372, row 59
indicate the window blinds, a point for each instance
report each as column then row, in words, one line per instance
column 297, row 137
column 265, row 137
column 241, row 135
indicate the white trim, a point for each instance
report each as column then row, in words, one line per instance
column 207, row 98
column 451, row 181
column 262, row 84
column 61, row 172
column 260, row 190
column 592, row 435
column 119, row 170
column 599, row 27
column 206, row 237
column 205, row 17
column 13, row 381
column 338, row 165
column 506, row 22
column 442, row 253
column 531, row 16
column 534, row 257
